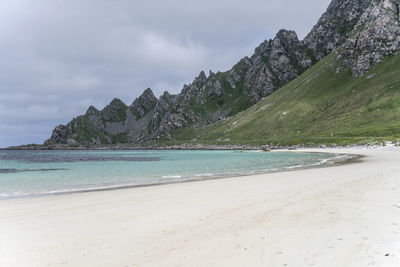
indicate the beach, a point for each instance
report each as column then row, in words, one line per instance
column 346, row 215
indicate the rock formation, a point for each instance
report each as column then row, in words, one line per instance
column 376, row 35
column 335, row 26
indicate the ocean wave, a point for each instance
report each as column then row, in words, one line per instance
column 295, row 167
column 171, row 176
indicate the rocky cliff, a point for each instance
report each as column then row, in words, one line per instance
column 376, row 35
column 364, row 31
column 335, row 26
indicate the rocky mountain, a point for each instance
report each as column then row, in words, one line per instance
column 335, row 26
column 363, row 30
column 376, row 35
column 320, row 107
column 207, row 99
column 115, row 123
column 350, row 96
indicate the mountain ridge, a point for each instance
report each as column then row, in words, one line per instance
column 213, row 98
column 350, row 96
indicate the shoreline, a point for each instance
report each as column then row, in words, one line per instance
column 198, row 146
column 340, row 159
column 345, row 215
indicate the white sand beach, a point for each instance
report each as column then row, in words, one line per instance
column 346, row 215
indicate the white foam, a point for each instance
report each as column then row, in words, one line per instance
column 295, row 167
column 172, row 176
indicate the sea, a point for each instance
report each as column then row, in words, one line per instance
column 41, row 173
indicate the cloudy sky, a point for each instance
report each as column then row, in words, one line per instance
column 60, row 56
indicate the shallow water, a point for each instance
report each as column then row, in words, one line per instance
column 34, row 173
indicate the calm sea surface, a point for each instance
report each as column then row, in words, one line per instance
column 35, row 173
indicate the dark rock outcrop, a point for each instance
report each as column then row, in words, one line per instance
column 274, row 63
column 60, row 135
column 144, row 104
column 115, row 111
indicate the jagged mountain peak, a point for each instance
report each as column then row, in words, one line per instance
column 200, row 80
column 286, row 34
column 116, row 102
column 147, row 95
column 92, row 111
column 284, row 38
column 144, row 104
column 166, row 95
column 115, row 111
column 202, row 75
column 148, row 92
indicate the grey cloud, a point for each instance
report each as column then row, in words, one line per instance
column 60, row 56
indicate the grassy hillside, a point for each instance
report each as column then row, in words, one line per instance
column 320, row 106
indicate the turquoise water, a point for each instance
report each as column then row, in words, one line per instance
column 32, row 173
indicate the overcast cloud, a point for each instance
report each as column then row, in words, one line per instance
column 58, row 57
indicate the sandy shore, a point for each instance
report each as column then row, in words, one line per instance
column 346, row 215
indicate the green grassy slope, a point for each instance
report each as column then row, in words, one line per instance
column 320, row 106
